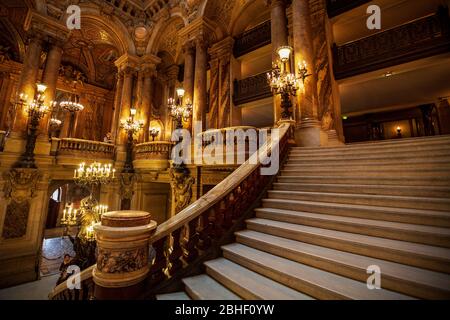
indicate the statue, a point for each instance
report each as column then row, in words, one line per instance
column 181, row 183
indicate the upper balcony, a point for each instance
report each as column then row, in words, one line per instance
column 418, row 39
column 153, row 155
column 251, row 89
column 69, row 151
column 253, row 39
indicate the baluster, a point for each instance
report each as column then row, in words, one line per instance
column 237, row 203
column 205, row 232
column 159, row 263
column 190, row 251
column 176, row 253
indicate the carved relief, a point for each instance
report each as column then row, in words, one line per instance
column 181, row 183
column 19, row 189
column 127, row 181
column 121, row 261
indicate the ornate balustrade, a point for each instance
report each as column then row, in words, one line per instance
column 251, row 89
column 71, row 151
column 86, row 292
column 337, row 7
column 152, row 155
column 415, row 40
column 185, row 241
column 253, row 39
column 195, row 234
column 2, row 139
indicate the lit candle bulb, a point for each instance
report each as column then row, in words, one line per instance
column 64, row 215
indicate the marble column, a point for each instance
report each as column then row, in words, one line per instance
column 50, row 79
column 117, row 102
column 27, row 83
column 309, row 132
column 279, row 35
column 125, row 105
column 200, row 86
column 146, row 100
column 189, row 70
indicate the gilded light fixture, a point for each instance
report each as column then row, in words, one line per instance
column 132, row 127
column 285, row 83
column 179, row 109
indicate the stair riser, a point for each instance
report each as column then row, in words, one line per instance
column 369, row 172
column 388, row 282
column 306, row 287
column 383, row 190
column 366, row 200
column 398, row 256
column 383, row 154
column 360, row 213
column 382, row 232
column 333, row 179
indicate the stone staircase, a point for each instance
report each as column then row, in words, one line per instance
column 332, row 213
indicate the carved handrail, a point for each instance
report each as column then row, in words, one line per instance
column 253, row 39
column 251, row 89
column 189, row 234
column 2, row 139
column 71, row 145
column 153, row 149
column 418, row 39
column 62, row 292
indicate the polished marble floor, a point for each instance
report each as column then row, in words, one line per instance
column 53, row 251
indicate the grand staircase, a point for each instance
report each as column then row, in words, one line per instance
column 331, row 214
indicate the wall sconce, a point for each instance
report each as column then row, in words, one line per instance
column 399, row 132
column 154, row 132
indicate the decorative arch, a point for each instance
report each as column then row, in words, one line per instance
column 165, row 36
column 248, row 15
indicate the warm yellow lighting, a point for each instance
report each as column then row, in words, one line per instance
column 284, row 53
column 133, row 112
column 180, row 92
column 41, row 88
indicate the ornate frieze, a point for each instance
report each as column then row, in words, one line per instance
column 110, row 261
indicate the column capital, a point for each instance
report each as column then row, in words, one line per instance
column 127, row 62
column 201, row 27
column 172, row 72
column 188, row 47
column 46, row 28
column 222, row 48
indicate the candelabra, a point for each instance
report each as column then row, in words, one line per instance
column 72, row 106
column 285, row 83
column 154, row 132
column 93, row 175
column 36, row 110
column 179, row 110
column 131, row 127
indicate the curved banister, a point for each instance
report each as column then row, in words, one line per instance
column 219, row 192
column 62, row 292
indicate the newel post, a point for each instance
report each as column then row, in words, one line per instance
column 123, row 254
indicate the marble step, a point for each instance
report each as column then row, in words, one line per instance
column 397, row 277
column 404, row 215
column 203, row 287
column 308, row 280
column 418, row 143
column 413, row 254
column 425, row 203
column 335, row 178
column 173, row 296
column 248, row 284
column 390, row 230
column 373, row 172
column 411, row 157
column 388, row 190
column 439, row 164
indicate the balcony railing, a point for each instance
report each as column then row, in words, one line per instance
column 251, row 89
column 75, row 149
column 337, row 7
column 153, row 155
column 253, row 39
column 416, row 40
